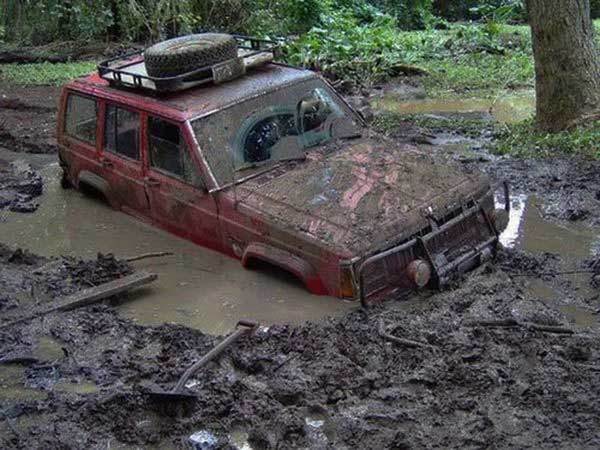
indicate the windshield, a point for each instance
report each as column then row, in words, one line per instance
column 245, row 138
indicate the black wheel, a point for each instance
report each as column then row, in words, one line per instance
column 184, row 54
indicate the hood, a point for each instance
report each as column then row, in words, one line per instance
column 360, row 196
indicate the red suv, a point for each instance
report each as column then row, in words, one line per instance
column 275, row 166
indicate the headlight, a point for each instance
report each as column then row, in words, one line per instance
column 419, row 273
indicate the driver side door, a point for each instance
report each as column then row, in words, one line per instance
column 179, row 200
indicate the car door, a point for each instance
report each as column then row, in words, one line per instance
column 179, row 200
column 121, row 159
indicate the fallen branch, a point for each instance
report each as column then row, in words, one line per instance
column 402, row 341
column 148, row 255
column 512, row 323
column 91, row 295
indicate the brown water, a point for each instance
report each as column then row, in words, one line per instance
column 508, row 108
column 196, row 287
column 528, row 230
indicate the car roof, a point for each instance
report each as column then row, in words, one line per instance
column 198, row 101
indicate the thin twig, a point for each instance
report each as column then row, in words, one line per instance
column 148, row 255
column 512, row 323
column 566, row 272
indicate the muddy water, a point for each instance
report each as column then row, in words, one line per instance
column 528, row 230
column 196, row 287
column 505, row 109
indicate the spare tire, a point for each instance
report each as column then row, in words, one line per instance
column 187, row 53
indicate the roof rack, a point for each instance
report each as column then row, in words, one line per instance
column 129, row 71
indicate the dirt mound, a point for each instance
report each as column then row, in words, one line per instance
column 407, row 374
column 20, row 185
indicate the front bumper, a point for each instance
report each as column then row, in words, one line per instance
column 457, row 246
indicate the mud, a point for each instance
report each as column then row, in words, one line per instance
column 77, row 379
column 20, row 186
column 28, row 118
column 334, row 384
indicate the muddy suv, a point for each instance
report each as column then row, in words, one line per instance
column 272, row 165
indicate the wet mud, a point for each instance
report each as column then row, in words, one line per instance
column 28, row 118
column 507, row 357
column 20, row 186
column 79, row 378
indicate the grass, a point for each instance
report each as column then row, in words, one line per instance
column 44, row 73
column 523, row 140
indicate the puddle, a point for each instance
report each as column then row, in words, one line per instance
column 529, row 231
column 48, row 349
column 84, row 387
column 196, row 287
column 239, row 440
column 506, row 109
column 12, row 386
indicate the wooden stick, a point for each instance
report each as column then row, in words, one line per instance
column 148, row 255
column 91, row 295
column 402, row 341
column 509, row 323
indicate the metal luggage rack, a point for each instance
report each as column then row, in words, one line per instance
column 129, row 71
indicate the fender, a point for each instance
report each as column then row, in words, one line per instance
column 287, row 261
column 95, row 181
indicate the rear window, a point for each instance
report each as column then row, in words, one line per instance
column 81, row 118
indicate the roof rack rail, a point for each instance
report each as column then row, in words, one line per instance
column 129, row 71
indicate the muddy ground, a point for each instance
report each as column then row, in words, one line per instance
column 78, row 379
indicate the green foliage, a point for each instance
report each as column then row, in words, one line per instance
column 524, row 140
column 410, row 14
column 44, row 73
column 343, row 47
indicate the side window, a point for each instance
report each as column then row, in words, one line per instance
column 122, row 132
column 169, row 153
column 81, row 118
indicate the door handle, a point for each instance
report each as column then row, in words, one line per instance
column 153, row 182
column 106, row 163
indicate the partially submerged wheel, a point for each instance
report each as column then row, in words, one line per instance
column 184, row 54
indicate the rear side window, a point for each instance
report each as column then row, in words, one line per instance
column 82, row 113
column 169, row 153
column 122, row 132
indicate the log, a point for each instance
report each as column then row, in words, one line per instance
column 91, row 295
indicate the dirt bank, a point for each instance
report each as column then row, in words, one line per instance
column 28, row 118
column 336, row 384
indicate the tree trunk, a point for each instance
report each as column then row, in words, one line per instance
column 567, row 62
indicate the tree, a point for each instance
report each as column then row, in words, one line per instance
column 567, row 63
